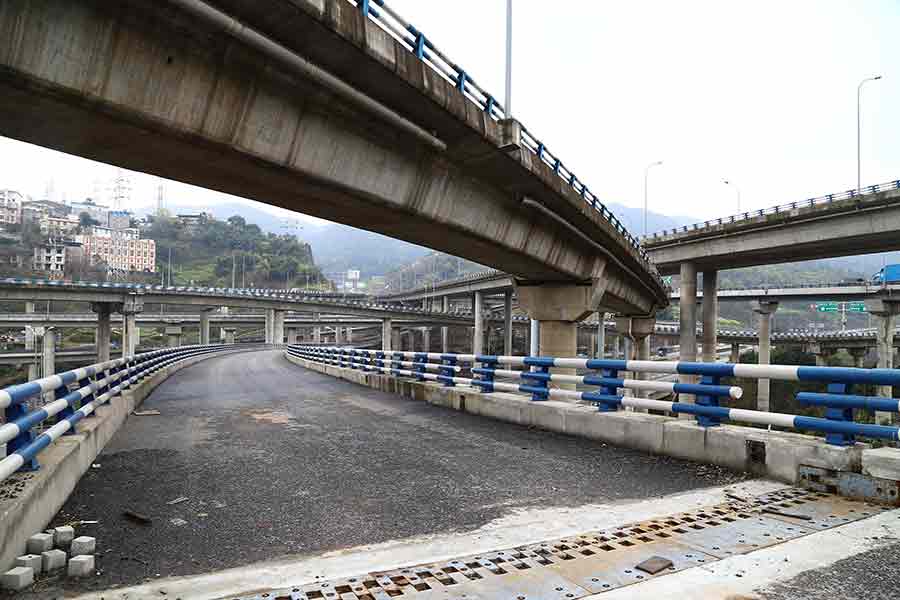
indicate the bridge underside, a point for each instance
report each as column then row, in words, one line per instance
column 155, row 90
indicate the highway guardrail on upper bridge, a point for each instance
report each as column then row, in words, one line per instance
column 781, row 208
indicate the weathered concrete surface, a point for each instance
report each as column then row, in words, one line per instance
column 860, row 225
column 726, row 445
column 277, row 460
column 29, row 509
column 153, row 89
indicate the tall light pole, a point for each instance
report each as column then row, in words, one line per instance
column 646, row 176
column 508, row 59
column 736, row 189
column 858, row 127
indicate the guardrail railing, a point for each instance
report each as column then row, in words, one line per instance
column 781, row 208
column 838, row 425
column 416, row 42
column 77, row 394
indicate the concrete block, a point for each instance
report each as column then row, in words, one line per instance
column 81, row 566
column 83, row 545
column 39, row 542
column 32, row 561
column 53, row 560
column 548, row 414
column 63, row 536
column 17, row 578
column 883, row 463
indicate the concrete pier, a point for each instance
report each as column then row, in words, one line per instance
column 710, row 314
column 278, row 327
column 204, row 327
column 688, row 322
column 386, row 335
column 104, row 329
column 478, row 333
column 765, row 310
column 507, row 324
column 174, row 336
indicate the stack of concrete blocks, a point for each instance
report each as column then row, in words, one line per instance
column 47, row 553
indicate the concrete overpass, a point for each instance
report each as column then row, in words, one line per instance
column 846, row 224
column 343, row 120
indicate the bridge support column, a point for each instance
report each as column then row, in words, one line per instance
column 507, row 324
column 104, row 329
column 426, row 339
column 131, row 333
column 478, row 333
column 270, row 325
column 687, row 350
column 204, row 327
column 735, row 357
column 174, row 335
column 765, row 309
column 348, row 334
column 885, row 322
column 445, row 331
column 33, row 368
column 228, row 335
column 292, row 336
column 819, row 352
column 710, row 315
column 558, row 308
column 387, row 337
column 639, row 331
column 278, row 327
column 601, row 335
column 338, row 336
column 48, row 357
column 859, row 356
column 396, row 340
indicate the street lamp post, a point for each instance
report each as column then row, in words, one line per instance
column 858, row 127
column 737, row 190
column 646, row 175
column 509, row 59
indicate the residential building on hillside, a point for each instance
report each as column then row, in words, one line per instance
column 98, row 212
column 120, row 249
column 53, row 256
column 119, row 219
column 11, row 207
column 194, row 222
column 58, row 227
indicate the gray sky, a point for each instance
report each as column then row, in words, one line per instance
column 761, row 93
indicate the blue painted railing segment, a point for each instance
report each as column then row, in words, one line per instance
column 838, row 424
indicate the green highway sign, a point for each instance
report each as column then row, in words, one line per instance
column 856, row 306
column 827, row 306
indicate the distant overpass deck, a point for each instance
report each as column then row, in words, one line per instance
column 844, row 224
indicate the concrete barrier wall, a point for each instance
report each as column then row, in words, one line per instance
column 65, row 461
column 774, row 454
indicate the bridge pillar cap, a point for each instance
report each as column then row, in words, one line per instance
column 766, row 307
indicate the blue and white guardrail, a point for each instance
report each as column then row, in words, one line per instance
column 77, row 394
column 838, row 424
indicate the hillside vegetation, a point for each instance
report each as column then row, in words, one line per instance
column 208, row 253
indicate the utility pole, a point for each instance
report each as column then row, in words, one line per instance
column 509, row 33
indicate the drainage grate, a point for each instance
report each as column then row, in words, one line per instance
column 600, row 561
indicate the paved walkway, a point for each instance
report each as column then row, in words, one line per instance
column 276, row 461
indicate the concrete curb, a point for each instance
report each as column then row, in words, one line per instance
column 64, row 462
column 774, row 454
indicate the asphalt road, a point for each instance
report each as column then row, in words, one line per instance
column 276, row 460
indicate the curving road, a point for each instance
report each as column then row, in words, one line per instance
column 276, row 460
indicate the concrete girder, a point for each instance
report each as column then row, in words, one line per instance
column 173, row 81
